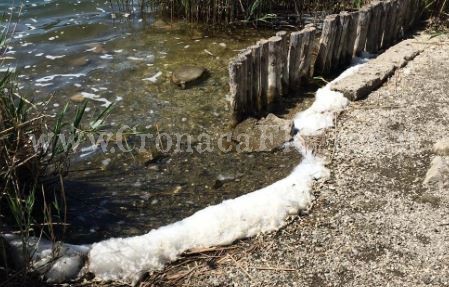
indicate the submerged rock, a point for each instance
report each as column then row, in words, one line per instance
column 77, row 98
column 187, row 74
column 263, row 135
column 78, row 62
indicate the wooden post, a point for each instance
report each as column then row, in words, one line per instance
column 390, row 23
column 340, row 45
column 245, row 82
column 372, row 44
column 283, row 62
column 408, row 14
column 349, row 44
column 236, row 89
column 324, row 59
column 334, row 53
column 310, row 56
column 255, row 66
column 300, row 55
column 274, row 76
column 399, row 28
column 233, row 88
column 295, row 58
column 362, row 30
column 383, row 23
column 263, row 76
column 248, row 75
column 309, row 45
column 395, row 21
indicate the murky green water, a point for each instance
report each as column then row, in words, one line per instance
column 119, row 194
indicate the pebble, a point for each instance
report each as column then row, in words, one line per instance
column 77, row 98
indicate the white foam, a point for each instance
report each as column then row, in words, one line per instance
column 135, row 58
column 327, row 105
column 94, row 97
column 154, row 78
column 106, row 57
column 43, row 84
column 52, row 77
column 54, row 57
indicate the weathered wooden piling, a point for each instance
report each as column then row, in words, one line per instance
column 246, row 81
column 372, row 40
column 255, row 82
column 263, row 76
column 349, row 44
column 362, row 30
column 236, row 89
column 323, row 63
column 399, row 28
column 274, row 73
column 300, row 55
column 283, row 62
column 408, row 14
column 391, row 15
column 383, row 15
column 341, row 40
column 263, row 73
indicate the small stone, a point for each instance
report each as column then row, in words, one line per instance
column 177, row 189
column 223, row 45
column 77, row 98
column 98, row 49
column 442, row 147
column 78, row 62
column 438, row 171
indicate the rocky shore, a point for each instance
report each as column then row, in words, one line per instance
column 375, row 222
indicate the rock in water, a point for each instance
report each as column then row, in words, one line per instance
column 263, row 135
column 187, row 74
column 77, row 98
column 78, row 62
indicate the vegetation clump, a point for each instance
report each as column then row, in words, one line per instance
column 35, row 149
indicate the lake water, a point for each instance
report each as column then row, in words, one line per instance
column 62, row 48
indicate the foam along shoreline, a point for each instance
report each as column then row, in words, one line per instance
column 264, row 210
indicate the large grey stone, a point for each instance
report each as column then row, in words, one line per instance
column 442, row 147
column 377, row 71
column 438, row 171
column 263, row 135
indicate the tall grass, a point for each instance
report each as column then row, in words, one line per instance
column 232, row 11
column 438, row 12
column 32, row 198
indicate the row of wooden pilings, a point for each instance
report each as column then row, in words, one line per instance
column 263, row 73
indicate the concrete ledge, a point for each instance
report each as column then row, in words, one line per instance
column 376, row 72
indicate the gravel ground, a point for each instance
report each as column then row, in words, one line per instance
column 374, row 222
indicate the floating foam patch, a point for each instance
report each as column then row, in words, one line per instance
column 52, row 77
